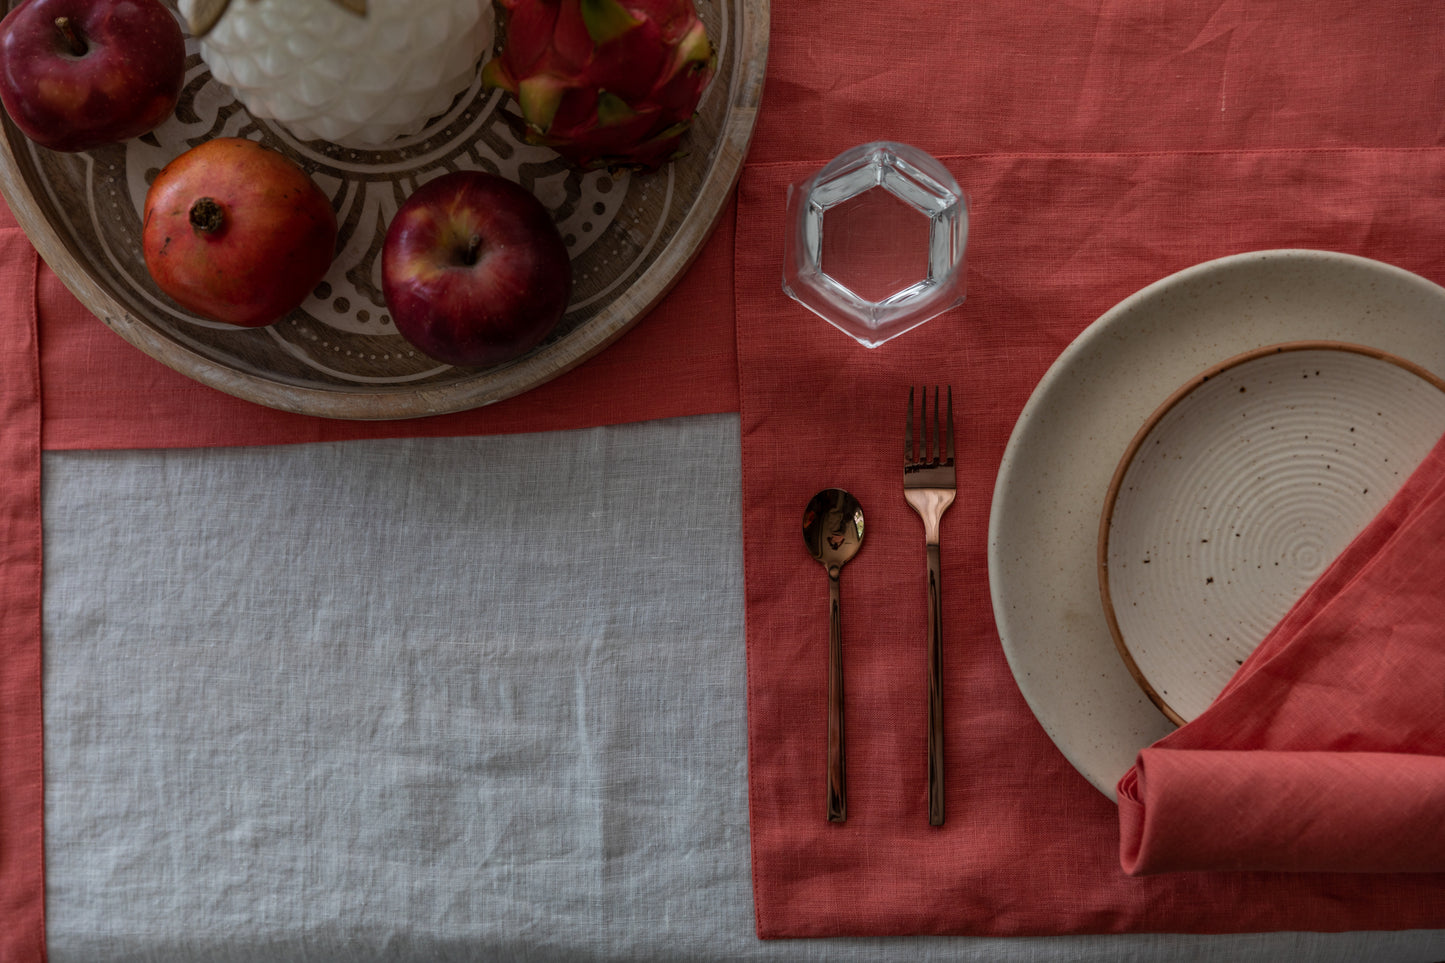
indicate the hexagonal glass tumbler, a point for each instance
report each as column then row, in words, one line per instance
column 875, row 241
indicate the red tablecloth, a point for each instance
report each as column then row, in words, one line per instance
column 680, row 360
column 1104, row 145
column 1029, row 846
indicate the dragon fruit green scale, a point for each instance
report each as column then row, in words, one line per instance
column 326, row 73
column 606, row 83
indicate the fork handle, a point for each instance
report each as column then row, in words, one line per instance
column 837, row 770
column 935, row 688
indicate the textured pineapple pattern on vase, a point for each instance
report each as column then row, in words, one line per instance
column 325, row 73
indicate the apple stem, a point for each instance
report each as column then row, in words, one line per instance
column 71, row 36
column 207, row 215
column 474, row 247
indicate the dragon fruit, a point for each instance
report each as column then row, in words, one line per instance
column 606, row 83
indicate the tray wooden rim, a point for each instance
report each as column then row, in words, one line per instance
column 390, row 402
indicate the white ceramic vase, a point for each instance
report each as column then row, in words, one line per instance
column 326, row 73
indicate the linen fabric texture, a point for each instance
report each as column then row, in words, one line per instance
column 22, row 800
column 401, row 701
column 1103, row 147
column 1029, row 846
column 1326, row 751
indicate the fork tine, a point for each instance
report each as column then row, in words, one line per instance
column 925, row 432
column 908, row 432
column 928, row 430
column 923, row 438
column 935, row 457
column 949, row 438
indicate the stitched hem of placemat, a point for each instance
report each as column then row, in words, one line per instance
column 807, row 162
column 22, row 795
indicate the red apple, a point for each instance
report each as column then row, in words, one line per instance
column 79, row 74
column 474, row 270
column 237, row 232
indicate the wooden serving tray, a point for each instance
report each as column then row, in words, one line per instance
column 630, row 236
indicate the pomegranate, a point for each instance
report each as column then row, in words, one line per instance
column 237, row 233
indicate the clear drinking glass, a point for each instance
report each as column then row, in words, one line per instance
column 875, row 241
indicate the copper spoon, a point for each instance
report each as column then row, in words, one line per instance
column 833, row 530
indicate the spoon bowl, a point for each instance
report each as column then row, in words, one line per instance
column 833, row 532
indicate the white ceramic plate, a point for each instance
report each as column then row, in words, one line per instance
column 1056, row 470
column 1239, row 491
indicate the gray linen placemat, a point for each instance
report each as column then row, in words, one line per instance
column 429, row 700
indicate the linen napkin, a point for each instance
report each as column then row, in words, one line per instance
column 1326, row 751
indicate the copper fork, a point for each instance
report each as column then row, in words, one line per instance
column 930, row 483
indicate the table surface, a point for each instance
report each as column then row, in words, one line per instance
column 403, row 700
column 452, row 698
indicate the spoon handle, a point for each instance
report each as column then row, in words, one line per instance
column 837, row 775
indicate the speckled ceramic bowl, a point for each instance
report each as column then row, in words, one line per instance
column 1082, row 417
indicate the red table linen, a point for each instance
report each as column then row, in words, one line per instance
column 1029, row 847
column 22, row 798
column 1327, row 749
column 1103, row 145
column 99, row 392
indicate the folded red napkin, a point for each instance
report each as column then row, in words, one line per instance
column 1327, row 749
